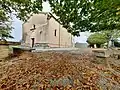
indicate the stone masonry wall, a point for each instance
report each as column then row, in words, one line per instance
column 4, row 51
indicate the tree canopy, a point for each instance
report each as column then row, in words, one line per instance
column 97, row 38
column 103, row 37
column 21, row 8
column 87, row 15
column 75, row 15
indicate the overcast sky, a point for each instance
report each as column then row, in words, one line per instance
column 17, row 24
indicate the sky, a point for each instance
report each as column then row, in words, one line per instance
column 17, row 31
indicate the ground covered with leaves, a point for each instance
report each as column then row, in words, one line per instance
column 59, row 71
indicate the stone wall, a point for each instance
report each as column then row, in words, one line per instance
column 6, row 48
column 4, row 51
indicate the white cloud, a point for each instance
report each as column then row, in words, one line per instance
column 82, row 38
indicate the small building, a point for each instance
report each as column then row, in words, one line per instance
column 44, row 29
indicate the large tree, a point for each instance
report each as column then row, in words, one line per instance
column 87, row 15
column 75, row 15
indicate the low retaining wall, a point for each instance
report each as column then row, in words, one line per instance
column 5, row 48
column 71, row 50
column 4, row 51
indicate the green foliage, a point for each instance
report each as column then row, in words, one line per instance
column 5, row 28
column 22, row 9
column 103, row 37
column 87, row 15
column 97, row 38
column 111, row 35
column 5, row 32
column 75, row 15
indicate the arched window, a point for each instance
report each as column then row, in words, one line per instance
column 55, row 33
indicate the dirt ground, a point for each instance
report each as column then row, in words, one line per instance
column 59, row 71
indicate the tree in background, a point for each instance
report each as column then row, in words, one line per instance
column 112, row 37
column 5, row 28
column 97, row 38
column 103, row 37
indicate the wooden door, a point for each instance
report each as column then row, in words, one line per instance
column 33, row 41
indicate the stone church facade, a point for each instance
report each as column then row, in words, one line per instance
column 44, row 30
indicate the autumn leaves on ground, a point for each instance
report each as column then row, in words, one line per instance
column 59, row 71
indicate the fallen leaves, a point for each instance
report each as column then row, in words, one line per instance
column 53, row 71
